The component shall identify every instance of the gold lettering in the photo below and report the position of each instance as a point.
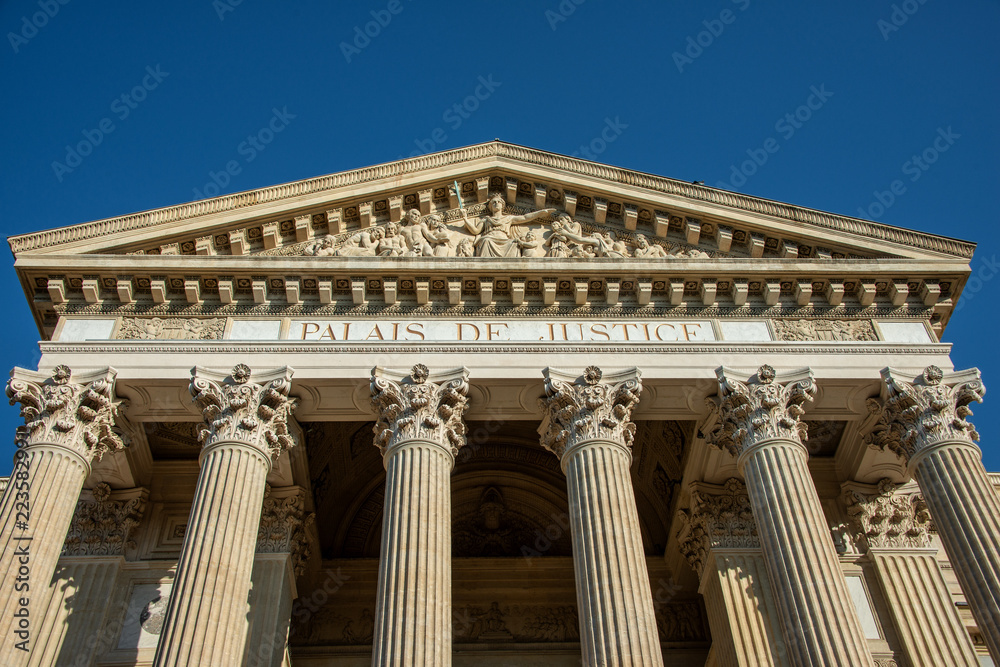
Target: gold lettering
(624, 327)
(328, 333)
(659, 336)
(603, 331)
(645, 327)
(306, 331)
(395, 330)
(467, 324)
(490, 333)
(378, 333)
(688, 334)
(552, 333)
(418, 331)
(347, 329)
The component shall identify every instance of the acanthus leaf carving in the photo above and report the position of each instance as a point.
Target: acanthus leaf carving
(415, 407)
(283, 523)
(590, 407)
(929, 409)
(720, 517)
(235, 409)
(78, 415)
(881, 517)
(759, 409)
(104, 526)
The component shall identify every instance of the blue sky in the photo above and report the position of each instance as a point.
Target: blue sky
(167, 94)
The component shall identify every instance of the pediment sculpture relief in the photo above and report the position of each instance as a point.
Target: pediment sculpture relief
(492, 230)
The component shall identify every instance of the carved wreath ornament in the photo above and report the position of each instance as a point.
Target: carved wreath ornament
(758, 410)
(594, 410)
(924, 412)
(243, 411)
(58, 411)
(417, 409)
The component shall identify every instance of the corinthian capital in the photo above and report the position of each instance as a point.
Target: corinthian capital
(283, 522)
(79, 415)
(920, 411)
(420, 406)
(720, 517)
(590, 407)
(238, 408)
(762, 408)
(881, 517)
(103, 524)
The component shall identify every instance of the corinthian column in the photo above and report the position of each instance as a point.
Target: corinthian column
(587, 424)
(67, 424)
(894, 529)
(719, 539)
(419, 430)
(245, 430)
(758, 422)
(923, 421)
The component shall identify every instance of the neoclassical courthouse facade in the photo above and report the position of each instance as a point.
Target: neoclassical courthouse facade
(495, 406)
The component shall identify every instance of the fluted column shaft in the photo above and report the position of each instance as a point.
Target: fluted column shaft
(966, 512)
(617, 622)
(741, 611)
(924, 615)
(54, 478)
(818, 617)
(270, 610)
(413, 612)
(206, 620)
(419, 430)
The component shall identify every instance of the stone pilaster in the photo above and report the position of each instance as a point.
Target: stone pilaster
(244, 432)
(587, 424)
(99, 536)
(894, 529)
(923, 420)
(759, 423)
(282, 551)
(68, 422)
(419, 430)
(719, 539)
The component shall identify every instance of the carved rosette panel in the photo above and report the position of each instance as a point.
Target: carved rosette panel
(158, 328)
(835, 330)
(78, 415)
(882, 518)
(283, 522)
(235, 409)
(416, 408)
(760, 409)
(720, 517)
(588, 408)
(927, 410)
(104, 526)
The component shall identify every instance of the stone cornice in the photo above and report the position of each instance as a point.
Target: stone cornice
(237, 407)
(765, 407)
(483, 157)
(590, 406)
(419, 406)
(882, 518)
(77, 413)
(916, 413)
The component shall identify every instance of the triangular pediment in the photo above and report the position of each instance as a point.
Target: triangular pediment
(681, 218)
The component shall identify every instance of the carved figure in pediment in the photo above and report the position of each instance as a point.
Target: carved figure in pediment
(688, 253)
(493, 230)
(610, 246)
(531, 245)
(392, 244)
(323, 247)
(571, 232)
(437, 241)
(644, 249)
(362, 244)
(466, 249)
(557, 247)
